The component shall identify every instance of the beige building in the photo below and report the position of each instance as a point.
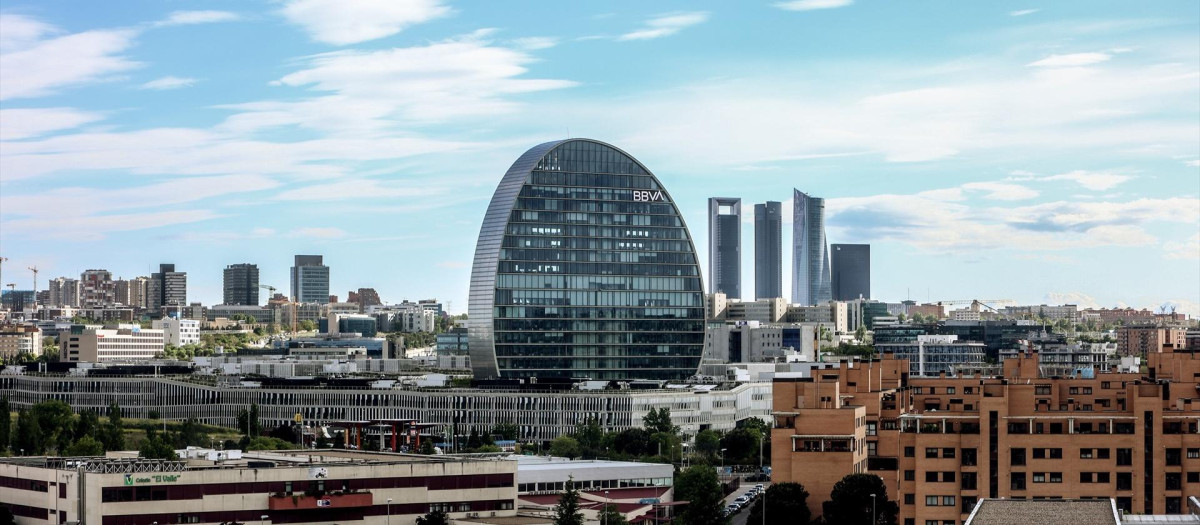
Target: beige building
(122, 343)
(327, 486)
(20, 339)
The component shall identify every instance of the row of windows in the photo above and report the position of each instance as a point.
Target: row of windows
(628, 338)
(599, 282)
(600, 232)
(523, 254)
(583, 312)
(675, 350)
(569, 192)
(603, 219)
(626, 206)
(577, 366)
(621, 298)
(591, 180)
(592, 243)
(687, 270)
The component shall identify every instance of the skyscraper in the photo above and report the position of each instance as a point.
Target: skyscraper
(810, 254)
(768, 250)
(310, 280)
(97, 289)
(584, 268)
(851, 265)
(241, 284)
(167, 288)
(65, 292)
(725, 246)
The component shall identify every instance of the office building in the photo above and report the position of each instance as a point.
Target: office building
(64, 292)
(452, 341)
(16, 300)
(851, 271)
(310, 280)
(363, 325)
(810, 254)
(167, 287)
(931, 355)
(241, 284)
(232, 486)
(120, 343)
(1143, 340)
(768, 250)
(178, 332)
(584, 268)
(725, 246)
(640, 492)
(19, 339)
(941, 443)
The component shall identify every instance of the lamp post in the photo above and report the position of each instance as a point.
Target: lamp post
(872, 509)
(604, 512)
(389, 514)
(761, 440)
(263, 519)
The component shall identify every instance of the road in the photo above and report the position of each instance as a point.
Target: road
(744, 514)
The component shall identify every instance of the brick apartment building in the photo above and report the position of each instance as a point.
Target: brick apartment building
(1142, 340)
(942, 443)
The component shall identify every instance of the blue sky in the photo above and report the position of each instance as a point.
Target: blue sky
(1039, 151)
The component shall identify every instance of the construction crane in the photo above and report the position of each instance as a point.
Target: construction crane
(291, 306)
(976, 303)
(2, 259)
(35, 272)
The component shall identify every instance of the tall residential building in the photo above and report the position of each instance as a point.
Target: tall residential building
(20, 339)
(851, 275)
(241, 284)
(584, 268)
(64, 291)
(98, 289)
(364, 297)
(810, 254)
(139, 292)
(940, 444)
(768, 250)
(725, 246)
(167, 288)
(310, 280)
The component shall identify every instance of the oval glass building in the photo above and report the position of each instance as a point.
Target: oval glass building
(584, 269)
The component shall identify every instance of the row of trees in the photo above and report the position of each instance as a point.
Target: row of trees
(50, 427)
(659, 440)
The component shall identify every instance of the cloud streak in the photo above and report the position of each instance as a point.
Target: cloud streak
(343, 23)
(811, 5)
(665, 25)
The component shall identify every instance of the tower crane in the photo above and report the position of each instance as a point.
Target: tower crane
(976, 303)
(35, 272)
(291, 306)
(2, 259)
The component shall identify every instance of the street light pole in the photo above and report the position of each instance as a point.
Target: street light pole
(389, 514)
(761, 440)
(872, 509)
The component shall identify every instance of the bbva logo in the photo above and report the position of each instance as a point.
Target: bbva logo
(647, 196)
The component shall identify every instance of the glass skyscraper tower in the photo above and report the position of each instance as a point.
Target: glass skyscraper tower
(810, 254)
(768, 250)
(584, 268)
(725, 246)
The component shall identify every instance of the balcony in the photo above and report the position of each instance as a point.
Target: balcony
(303, 501)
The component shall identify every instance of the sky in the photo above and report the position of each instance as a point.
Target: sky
(1045, 152)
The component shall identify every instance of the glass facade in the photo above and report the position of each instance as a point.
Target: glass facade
(851, 271)
(810, 254)
(584, 268)
(725, 246)
(768, 250)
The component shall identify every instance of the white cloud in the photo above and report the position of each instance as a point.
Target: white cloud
(1023, 12)
(168, 82)
(24, 123)
(534, 43)
(356, 189)
(809, 5)
(1080, 299)
(97, 227)
(1193, 163)
(1002, 191)
(341, 23)
(1189, 249)
(1096, 181)
(85, 203)
(1072, 60)
(666, 25)
(179, 18)
(36, 59)
(1181, 306)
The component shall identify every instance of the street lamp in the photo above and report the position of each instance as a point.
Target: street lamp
(722, 457)
(263, 519)
(389, 516)
(761, 440)
(872, 509)
(604, 513)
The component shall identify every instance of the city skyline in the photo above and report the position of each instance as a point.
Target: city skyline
(982, 160)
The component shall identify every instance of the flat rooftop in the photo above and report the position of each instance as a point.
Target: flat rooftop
(547, 463)
(1044, 511)
(128, 461)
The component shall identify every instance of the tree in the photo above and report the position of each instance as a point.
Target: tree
(611, 516)
(154, 447)
(506, 430)
(243, 422)
(850, 502)
(5, 425)
(860, 333)
(567, 511)
(307, 326)
(253, 423)
(564, 446)
(269, 443)
(436, 517)
(427, 447)
(28, 439)
(57, 423)
(590, 437)
(659, 421)
(473, 441)
(88, 425)
(633, 441)
(708, 442)
(698, 486)
(113, 433)
(191, 434)
(787, 504)
(153, 414)
(85, 446)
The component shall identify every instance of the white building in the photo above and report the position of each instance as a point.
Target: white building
(123, 343)
(404, 317)
(178, 332)
(20, 339)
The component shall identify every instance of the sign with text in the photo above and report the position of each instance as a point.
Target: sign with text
(648, 196)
